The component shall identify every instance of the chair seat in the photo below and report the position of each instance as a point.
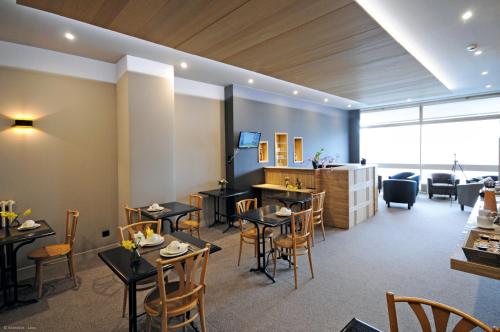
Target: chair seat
(285, 241)
(50, 251)
(251, 233)
(443, 185)
(152, 302)
(189, 224)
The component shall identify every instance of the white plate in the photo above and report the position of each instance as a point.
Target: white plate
(161, 208)
(284, 214)
(149, 243)
(167, 254)
(492, 227)
(21, 228)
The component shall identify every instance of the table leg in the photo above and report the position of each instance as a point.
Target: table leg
(215, 212)
(132, 308)
(3, 276)
(258, 251)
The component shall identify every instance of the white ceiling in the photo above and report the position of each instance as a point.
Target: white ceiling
(431, 30)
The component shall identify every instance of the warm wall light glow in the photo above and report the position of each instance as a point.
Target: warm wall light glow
(467, 15)
(184, 65)
(69, 36)
(18, 123)
(396, 28)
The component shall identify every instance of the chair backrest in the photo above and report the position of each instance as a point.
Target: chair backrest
(402, 175)
(317, 202)
(126, 232)
(195, 200)
(440, 312)
(441, 178)
(243, 206)
(71, 223)
(133, 215)
(301, 225)
(191, 270)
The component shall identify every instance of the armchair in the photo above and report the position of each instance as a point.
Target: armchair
(468, 194)
(408, 176)
(401, 188)
(442, 184)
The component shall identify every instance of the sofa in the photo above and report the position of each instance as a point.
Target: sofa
(468, 194)
(481, 178)
(442, 184)
(401, 188)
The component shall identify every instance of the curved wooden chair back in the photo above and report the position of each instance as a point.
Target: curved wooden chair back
(243, 206)
(127, 232)
(133, 215)
(71, 223)
(301, 225)
(317, 202)
(440, 312)
(195, 200)
(191, 270)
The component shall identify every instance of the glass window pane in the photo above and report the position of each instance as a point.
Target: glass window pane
(371, 118)
(474, 142)
(477, 107)
(389, 145)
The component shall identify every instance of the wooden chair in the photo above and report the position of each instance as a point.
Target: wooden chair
(193, 220)
(126, 233)
(248, 233)
(297, 243)
(133, 215)
(51, 252)
(179, 298)
(317, 202)
(440, 312)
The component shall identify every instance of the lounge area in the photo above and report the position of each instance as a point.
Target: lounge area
(249, 166)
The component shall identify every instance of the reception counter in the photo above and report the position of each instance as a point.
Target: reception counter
(351, 190)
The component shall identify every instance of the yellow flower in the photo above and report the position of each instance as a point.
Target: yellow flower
(27, 212)
(149, 233)
(10, 215)
(127, 244)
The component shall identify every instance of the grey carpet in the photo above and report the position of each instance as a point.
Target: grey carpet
(404, 251)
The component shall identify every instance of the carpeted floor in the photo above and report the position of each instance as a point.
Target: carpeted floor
(404, 251)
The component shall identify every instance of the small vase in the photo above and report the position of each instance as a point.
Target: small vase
(135, 257)
(315, 164)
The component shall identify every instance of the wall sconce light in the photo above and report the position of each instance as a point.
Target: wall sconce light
(23, 124)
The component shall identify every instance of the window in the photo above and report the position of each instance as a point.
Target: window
(463, 109)
(375, 118)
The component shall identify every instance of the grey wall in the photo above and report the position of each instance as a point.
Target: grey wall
(319, 130)
(354, 136)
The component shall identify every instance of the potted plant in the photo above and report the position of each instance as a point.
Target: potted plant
(317, 158)
(13, 218)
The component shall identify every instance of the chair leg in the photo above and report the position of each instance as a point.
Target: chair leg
(274, 261)
(199, 236)
(461, 207)
(201, 311)
(125, 296)
(39, 278)
(239, 255)
(295, 267)
(323, 230)
(148, 323)
(71, 266)
(312, 233)
(309, 254)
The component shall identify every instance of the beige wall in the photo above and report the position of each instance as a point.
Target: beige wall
(68, 161)
(199, 138)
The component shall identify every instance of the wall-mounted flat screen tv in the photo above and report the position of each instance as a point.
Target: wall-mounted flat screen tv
(248, 140)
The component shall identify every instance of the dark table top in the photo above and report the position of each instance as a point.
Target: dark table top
(171, 209)
(16, 236)
(118, 259)
(265, 215)
(356, 325)
(228, 192)
(292, 197)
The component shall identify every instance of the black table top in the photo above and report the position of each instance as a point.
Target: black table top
(356, 325)
(292, 197)
(265, 215)
(172, 209)
(228, 192)
(16, 236)
(118, 259)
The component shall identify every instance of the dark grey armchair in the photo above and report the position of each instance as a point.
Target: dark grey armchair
(442, 184)
(468, 194)
(401, 188)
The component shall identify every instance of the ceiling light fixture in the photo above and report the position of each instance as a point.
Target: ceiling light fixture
(349, 105)
(488, 86)
(184, 65)
(325, 100)
(478, 52)
(408, 99)
(295, 92)
(69, 36)
(467, 15)
(394, 25)
(484, 73)
(250, 80)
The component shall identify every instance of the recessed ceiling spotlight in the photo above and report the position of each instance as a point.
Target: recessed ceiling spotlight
(484, 73)
(250, 80)
(69, 36)
(295, 92)
(478, 52)
(488, 86)
(408, 99)
(325, 100)
(184, 65)
(472, 47)
(349, 105)
(466, 15)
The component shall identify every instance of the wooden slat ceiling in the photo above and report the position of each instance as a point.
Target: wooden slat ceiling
(328, 45)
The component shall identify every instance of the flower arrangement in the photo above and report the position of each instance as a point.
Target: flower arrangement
(223, 183)
(13, 217)
(134, 243)
(315, 160)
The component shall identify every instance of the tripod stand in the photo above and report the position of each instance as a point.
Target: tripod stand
(456, 165)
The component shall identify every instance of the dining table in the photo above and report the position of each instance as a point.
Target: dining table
(291, 198)
(266, 217)
(11, 240)
(169, 211)
(119, 261)
(223, 194)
